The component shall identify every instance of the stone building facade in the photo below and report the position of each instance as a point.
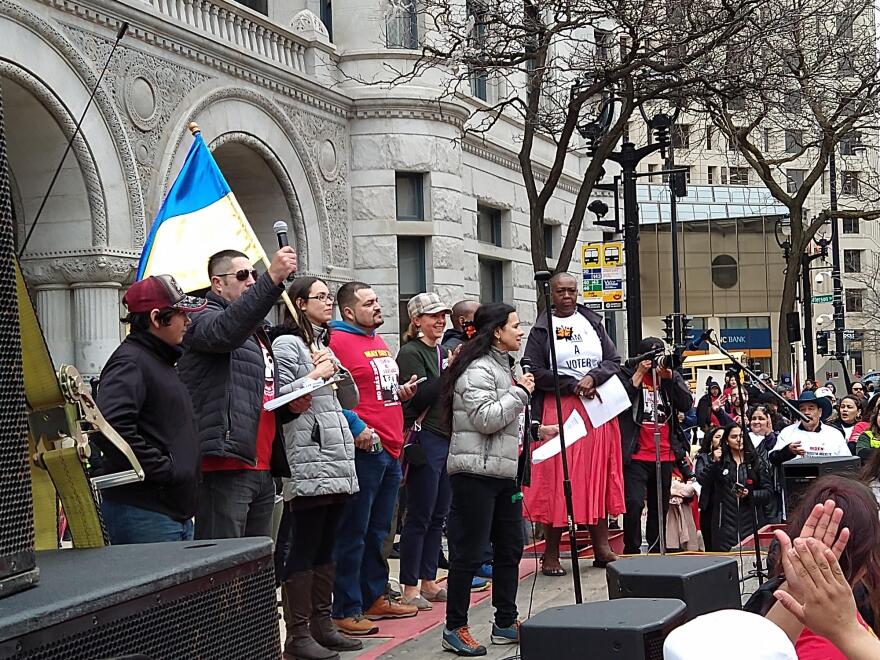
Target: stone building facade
(377, 184)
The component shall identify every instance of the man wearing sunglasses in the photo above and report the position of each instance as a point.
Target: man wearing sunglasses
(230, 372)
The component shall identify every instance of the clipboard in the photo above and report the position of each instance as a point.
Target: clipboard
(306, 388)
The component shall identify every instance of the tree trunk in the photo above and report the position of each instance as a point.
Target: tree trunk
(789, 294)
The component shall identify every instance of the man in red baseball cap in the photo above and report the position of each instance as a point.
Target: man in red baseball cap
(142, 397)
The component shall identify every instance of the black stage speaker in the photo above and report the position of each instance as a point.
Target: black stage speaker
(161, 601)
(625, 629)
(17, 564)
(705, 584)
(799, 473)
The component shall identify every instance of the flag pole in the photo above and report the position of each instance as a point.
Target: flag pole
(195, 130)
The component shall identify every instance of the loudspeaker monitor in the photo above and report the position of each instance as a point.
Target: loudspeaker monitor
(705, 584)
(625, 629)
(799, 473)
(201, 599)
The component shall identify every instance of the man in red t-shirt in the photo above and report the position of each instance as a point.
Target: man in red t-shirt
(361, 571)
(650, 404)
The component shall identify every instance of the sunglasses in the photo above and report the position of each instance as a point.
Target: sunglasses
(241, 275)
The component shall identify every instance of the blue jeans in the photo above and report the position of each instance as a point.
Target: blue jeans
(361, 572)
(427, 502)
(131, 524)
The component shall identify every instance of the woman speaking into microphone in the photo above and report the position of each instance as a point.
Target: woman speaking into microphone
(587, 358)
(485, 406)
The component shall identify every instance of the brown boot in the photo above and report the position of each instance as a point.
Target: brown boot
(602, 552)
(323, 630)
(297, 602)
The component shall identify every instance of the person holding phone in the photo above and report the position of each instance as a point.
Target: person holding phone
(427, 491)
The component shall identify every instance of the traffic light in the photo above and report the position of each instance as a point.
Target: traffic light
(668, 329)
(822, 342)
(679, 184)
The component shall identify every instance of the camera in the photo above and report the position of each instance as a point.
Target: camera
(672, 360)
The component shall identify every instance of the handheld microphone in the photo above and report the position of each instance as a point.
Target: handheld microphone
(280, 229)
(526, 365)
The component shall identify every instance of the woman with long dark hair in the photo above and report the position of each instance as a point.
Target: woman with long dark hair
(739, 482)
(764, 439)
(709, 452)
(859, 560)
(485, 405)
(849, 420)
(320, 451)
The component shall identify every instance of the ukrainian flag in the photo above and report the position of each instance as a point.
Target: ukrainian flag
(199, 217)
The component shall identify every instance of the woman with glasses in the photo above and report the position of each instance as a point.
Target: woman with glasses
(320, 450)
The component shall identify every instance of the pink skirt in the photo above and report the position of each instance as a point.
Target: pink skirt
(595, 466)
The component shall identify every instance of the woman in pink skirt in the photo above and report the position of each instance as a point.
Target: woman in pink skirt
(587, 358)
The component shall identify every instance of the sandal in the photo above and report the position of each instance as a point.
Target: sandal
(552, 572)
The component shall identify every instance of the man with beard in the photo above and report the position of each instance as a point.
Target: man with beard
(377, 426)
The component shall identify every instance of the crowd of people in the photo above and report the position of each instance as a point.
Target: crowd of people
(439, 437)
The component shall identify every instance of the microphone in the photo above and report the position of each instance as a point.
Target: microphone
(707, 334)
(280, 229)
(119, 34)
(634, 361)
(526, 365)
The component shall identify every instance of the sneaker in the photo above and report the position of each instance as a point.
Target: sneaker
(479, 584)
(356, 625)
(421, 603)
(509, 635)
(385, 608)
(485, 571)
(460, 642)
(392, 592)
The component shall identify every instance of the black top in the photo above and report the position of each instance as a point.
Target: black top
(143, 399)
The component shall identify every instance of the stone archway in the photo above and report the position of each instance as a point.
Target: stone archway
(263, 188)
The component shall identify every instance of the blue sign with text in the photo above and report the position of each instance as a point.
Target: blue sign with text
(745, 338)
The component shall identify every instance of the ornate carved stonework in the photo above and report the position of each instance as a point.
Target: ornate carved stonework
(86, 72)
(326, 143)
(147, 89)
(76, 266)
(307, 21)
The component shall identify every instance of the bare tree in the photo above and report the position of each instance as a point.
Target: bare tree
(786, 101)
(548, 66)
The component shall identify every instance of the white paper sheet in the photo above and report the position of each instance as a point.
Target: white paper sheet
(575, 430)
(307, 387)
(611, 399)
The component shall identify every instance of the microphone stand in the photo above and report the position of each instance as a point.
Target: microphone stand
(123, 28)
(658, 468)
(543, 280)
(741, 368)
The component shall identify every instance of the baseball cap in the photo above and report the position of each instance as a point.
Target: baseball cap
(160, 292)
(756, 638)
(426, 303)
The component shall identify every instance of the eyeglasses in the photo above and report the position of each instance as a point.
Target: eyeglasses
(322, 297)
(241, 275)
(858, 389)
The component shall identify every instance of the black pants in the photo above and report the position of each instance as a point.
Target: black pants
(639, 484)
(310, 532)
(483, 509)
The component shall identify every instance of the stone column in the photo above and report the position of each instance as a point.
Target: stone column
(53, 307)
(96, 327)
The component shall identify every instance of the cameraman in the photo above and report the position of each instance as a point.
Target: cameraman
(639, 450)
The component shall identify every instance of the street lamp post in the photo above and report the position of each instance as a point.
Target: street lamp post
(628, 157)
(839, 316)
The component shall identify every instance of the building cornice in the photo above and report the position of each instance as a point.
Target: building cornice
(80, 266)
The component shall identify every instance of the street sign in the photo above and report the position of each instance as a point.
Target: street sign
(603, 273)
(822, 299)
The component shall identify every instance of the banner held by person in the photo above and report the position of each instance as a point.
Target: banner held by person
(199, 217)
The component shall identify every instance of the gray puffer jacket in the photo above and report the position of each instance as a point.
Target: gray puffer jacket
(486, 409)
(320, 449)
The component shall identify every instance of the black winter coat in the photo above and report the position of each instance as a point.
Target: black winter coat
(224, 369)
(143, 399)
(733, 519)
(538, 355)
(675, 391)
